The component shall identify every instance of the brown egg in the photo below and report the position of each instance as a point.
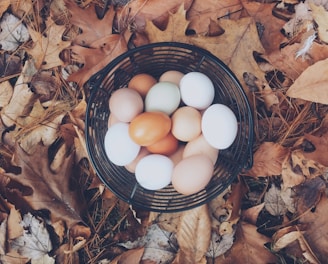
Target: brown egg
(166, 146)
(186, 123)
(142, 83)
(176, 157)
(125, 104)
(192, 174)
(171, 76)
(149, 127)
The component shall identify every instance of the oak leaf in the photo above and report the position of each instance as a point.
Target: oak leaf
(194, 234)
(48, 45)
(44, 189)
(311, 85)
(268, 160)
(248, 247)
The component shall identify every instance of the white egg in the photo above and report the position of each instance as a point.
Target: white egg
(197, 90)
(164, 97)
(120, 148)
(154, 171)
(219, 126)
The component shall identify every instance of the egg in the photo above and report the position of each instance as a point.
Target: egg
(192, 174)
(200, 146)
(112, 120)
(197, 90)
(171, 76)
(219, 126)
(125, 104)
(186, 123)
(166, 146)
(131, 167)
(149, 127)
(119, 147)
(142, 82)
(176, 157)
(163, 97)
(154, 171)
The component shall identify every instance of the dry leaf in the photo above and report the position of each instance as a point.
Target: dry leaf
(12, 32)
(290, 176)
(14, 230)
(248, 247)
(48, 45)
(4, 6)
(320, 16)
(250, 215)
(132, 256)
(320, 144)
(268, 159)
(284, 237)
(6, 92)
(54, 190)
(316, 233)
(273, 202)
(194, 234)
(311, 85)
(35, 240)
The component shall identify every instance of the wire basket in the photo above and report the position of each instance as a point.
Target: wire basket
(155, 59)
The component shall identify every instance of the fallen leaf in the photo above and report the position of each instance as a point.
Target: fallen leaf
(4, 6)
(262, 14)
(48, 45)
(291, 176)
(316, 233)
(14, 230)
(268, 159)
(10, 65)
(219, 245)
(132, 256)
(320, 144)
(311, 84)
(320, 16)
(192, 245)
(284, 237)
(3, 237)
(13, 32)
(251, 214)
(248, 247)
(202, 12)
(45, 259)
(273, 202)
(54, 190)
(6, 92)
(35, 241)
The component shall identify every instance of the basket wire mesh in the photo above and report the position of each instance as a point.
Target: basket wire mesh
(155, 59)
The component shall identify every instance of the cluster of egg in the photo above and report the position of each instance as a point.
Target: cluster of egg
(169, 131)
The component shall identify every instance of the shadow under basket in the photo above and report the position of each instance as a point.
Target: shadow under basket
(155, 59)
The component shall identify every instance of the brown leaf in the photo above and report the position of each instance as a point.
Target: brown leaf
(311, 85)
(202, 12)
(320, 144)
(194, 234)
(132, 256)
(4, 6)
(250, 215)
(268, 160)
(316, 233)
(262, 13)
(48, 46)
(14, 229)
(47, 190)
(248, 247)
(320, 16)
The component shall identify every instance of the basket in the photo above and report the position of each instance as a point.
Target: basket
(155, 59)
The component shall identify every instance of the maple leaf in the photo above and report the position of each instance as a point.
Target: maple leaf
(48, 45)
(235, 47)
(47, 189)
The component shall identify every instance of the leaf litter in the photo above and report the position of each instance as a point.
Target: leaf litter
(273, 213)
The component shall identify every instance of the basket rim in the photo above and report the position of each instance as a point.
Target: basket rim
(98, 77)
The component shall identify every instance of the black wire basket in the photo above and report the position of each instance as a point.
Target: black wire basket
(155, 59)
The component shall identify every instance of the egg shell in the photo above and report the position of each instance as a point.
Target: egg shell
(163, 97)
(131, 167)
(192, 174)
(186, 123)
(200, 146)
(219, 126)
(171, 76)
(149, 127)
(197, 90)
(112, 120)
(125, 104)
(154, 171)
(165, 146)
(142, 82)
(119, 147)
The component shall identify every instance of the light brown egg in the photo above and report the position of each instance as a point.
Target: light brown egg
(142, 83)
